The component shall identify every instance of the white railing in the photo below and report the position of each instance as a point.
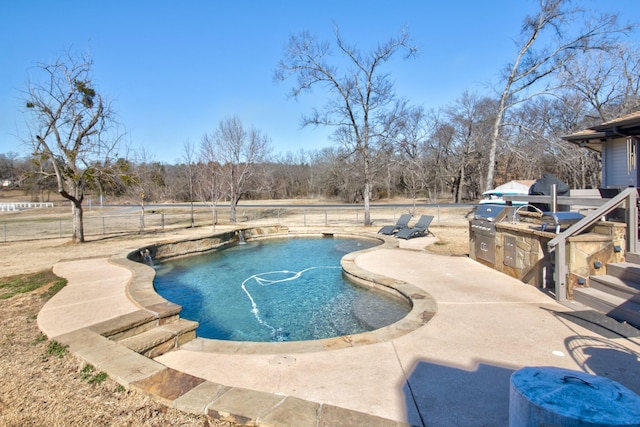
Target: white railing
(14, 206)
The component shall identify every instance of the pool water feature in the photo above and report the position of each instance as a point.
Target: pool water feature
(290, 289)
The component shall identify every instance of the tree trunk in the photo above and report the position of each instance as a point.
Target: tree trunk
(233, 202)
(493, 148)
(78, 224)
(460, 185)
(367, 191)
(214, 215)
(367, 200)
(76, 210)
(388, 181)
(232, 211)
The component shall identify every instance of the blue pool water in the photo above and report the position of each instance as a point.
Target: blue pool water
(276, 290)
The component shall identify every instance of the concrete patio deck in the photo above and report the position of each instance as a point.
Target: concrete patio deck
(453, 371)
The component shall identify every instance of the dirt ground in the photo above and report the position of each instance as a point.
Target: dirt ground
(38, 388)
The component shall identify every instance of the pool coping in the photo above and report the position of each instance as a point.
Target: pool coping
(246, 403)
(141, 292)
(196, 395)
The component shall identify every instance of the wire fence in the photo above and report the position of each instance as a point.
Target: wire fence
(58, 223)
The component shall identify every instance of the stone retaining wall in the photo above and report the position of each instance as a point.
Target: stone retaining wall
(163, 251)
(521, 252)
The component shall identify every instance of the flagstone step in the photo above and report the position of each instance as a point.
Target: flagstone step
(161, 339)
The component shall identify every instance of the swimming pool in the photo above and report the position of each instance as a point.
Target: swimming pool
(289, 289)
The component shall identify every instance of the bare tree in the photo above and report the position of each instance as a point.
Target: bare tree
(208, 182)
(440, 158)
(8, 169)
(412, 151)
(69, 124)
(239, 152)
(290, 175)
(529, 74)
(467, 117)
(145, 180)
(189, 159)
(362, 97)
(607, 82)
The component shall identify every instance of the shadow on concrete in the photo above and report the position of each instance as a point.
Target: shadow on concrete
(440, 395)
(606, 358)
(604, 355)
(599, 323)
(436, 394)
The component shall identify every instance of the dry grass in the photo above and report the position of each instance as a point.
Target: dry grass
(452, 240)
(38, 388)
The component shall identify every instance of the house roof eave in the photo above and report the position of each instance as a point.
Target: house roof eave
(588, 139)
(593, 137)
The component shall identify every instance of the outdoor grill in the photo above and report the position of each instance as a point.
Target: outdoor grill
(483, 229)
(559, 220)
(492, 213)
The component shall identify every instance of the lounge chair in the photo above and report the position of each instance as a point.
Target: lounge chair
(402, 222)
(419, 229)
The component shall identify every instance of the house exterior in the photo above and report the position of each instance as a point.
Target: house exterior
(618, 141)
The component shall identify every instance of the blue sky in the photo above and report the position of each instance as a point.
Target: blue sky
(175, 69)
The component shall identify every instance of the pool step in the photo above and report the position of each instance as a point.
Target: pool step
(161, 339)
(134, 323)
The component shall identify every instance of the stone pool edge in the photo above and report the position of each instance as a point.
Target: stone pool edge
(198, 396)
(141, 292)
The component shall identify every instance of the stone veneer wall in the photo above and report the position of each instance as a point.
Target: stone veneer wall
(163, 251)
(532, 263)
(587, 253)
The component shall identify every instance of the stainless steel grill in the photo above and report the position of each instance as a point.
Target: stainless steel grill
(492, 213)
(559, 220)
(483, 229)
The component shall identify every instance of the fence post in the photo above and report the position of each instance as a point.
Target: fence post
(141, 222)
(326, 220)
(304, 216)
(162, 220)
(4, 230)
(103, 230)
(59, 228)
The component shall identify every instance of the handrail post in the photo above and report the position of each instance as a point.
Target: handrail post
(561, 271)
(632, 221)
(558, 243)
